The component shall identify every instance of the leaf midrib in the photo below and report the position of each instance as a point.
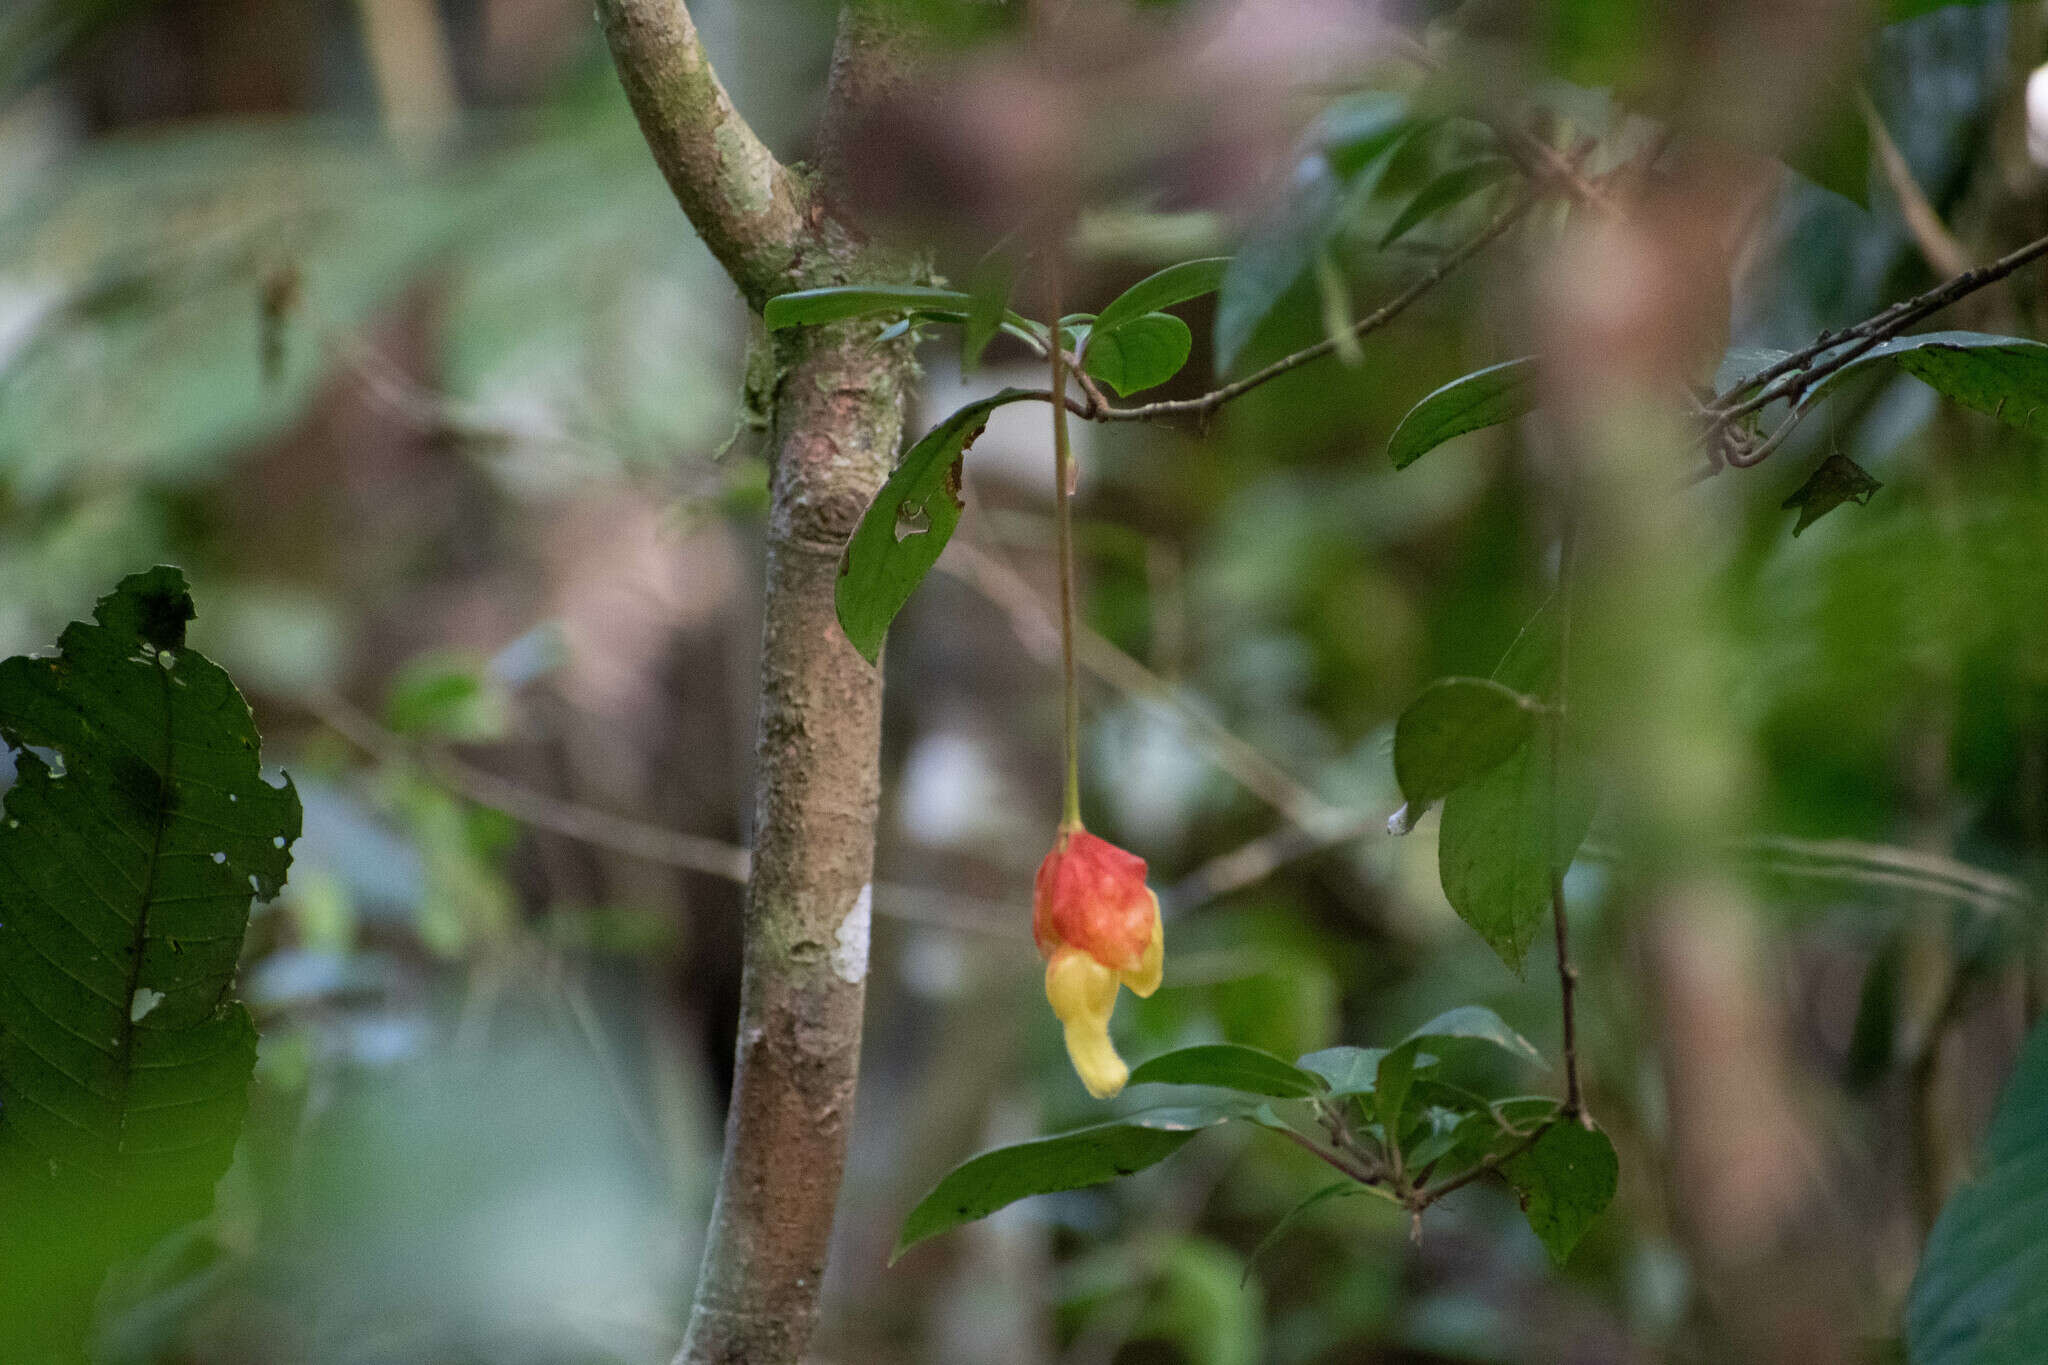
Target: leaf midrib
(166, 776)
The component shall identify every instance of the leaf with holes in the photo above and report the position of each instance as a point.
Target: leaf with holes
(906, 527)
(136, 834)
(1484, 398)
(1067, 1161)
(1144, 352)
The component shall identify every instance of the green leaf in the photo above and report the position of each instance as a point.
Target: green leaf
(1139, 354)
(810, 307)
(903, 532)
(1342, 153)
(1478, 1023)
(1349, 1070)
(1834, 150)
(1335, 1190)
(1068, 1161)
(1565, 1182)
(1458, 730)
(2000, 376)
(137, 831)
(1162, 290)
(1495, 845)
(1447, 191)
(1895, 10)
(1981, 1294)
(1231, 1066)
(989, 292)
(1390, 1089)
(1484, 398)
(1839, 479)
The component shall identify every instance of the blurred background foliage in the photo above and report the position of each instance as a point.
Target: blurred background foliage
(376, 317)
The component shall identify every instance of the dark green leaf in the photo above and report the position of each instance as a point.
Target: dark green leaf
(1069, 1161)
(2000, 376)
(1334, 1190)
(1230, 1066)
(1390, 1089)
(1981, 1294)
(136, 833)
(1162, 290)
(1352, 138)
(1457, 730)
(989, 291)
(1839, 479)
(1502, 835)
(810, 307)
(903, 532)
(1834, 152)
(1895, 10)
(1145, 351)
(1484, 398)
(1565, 1181)
(1447, 191)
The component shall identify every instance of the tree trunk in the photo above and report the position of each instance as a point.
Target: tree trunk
(838, 414)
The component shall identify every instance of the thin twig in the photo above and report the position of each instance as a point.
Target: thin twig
(1422, 1199)
(1806, 367)
(1567, 974)
(1204, 406)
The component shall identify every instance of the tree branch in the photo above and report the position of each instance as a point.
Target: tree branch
(746, 205)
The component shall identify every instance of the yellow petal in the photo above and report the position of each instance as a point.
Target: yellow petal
(1146, 976)
(1083, 994)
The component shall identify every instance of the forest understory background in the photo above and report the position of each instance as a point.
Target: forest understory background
(377, 317)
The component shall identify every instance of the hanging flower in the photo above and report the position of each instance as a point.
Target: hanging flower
(1097, 926)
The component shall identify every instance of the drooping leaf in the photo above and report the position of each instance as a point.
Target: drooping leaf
(1231, 1066)
(1565, 1181)
(1339, 160)
(903, 532)
(836, 303)
(1067, 1161)
(1484, 398)
(1162, 290)
(989, 291)
(1505, 833)
(136, 833)
(1447, 191)
(1981, 1294)
(1457, 730)
(1837, 480)
(1143, 352)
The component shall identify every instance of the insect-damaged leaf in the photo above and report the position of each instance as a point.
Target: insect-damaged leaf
(1067, 1161)
(1839, 479)
(136, 834)
(906, 527)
